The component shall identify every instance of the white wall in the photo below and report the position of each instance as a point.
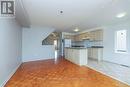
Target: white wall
(32, 44)
(10, 48)
(109, 52)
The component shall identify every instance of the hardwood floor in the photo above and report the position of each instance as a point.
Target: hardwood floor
(59, 74)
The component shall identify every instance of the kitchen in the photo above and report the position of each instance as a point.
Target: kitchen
(94, 49)
(84, 46)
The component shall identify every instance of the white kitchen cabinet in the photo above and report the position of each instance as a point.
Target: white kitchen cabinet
(99, 35)
(89, 52)
(95, 53)
(77, 56)
(96, 35)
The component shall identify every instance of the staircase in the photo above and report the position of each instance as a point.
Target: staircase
(50, 39)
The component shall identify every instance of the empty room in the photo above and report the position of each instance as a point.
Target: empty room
(64, 43)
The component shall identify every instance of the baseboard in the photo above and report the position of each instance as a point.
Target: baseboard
(116, 62)
(9, 76)
(31, 60)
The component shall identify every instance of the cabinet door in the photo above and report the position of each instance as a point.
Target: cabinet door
(87, 35)
(79, 37)
(72, 55)
(100, 54)
(69, 54)
(66, 53)
(76, 56)
(68, 36)
(99, 35)
(89, 52)
(83, 36)
(92, 35)
(76, 38)
(95, 53)
(83, 57)
(96, 35)
(72, 37)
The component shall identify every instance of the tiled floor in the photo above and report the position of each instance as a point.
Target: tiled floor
(115, 71)
(61, 73)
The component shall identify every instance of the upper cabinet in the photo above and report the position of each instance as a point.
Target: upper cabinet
(77, 38)
(67, 36)
(96, 35)
(72, 37)
(81, 37)
(100, 34)
(85, 35)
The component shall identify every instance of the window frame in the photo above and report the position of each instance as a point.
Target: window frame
(116, 49)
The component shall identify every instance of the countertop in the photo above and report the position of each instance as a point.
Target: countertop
(96, 47)
(76, 47)
(85, 47)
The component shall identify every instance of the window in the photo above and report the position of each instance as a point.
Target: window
(120, 41)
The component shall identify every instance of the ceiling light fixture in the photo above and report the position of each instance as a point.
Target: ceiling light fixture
(121, 15)
(76, 29)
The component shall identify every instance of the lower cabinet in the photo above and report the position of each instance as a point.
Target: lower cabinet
(77, 56)
(95, 53)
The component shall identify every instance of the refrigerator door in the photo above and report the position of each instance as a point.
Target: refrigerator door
(67, 43)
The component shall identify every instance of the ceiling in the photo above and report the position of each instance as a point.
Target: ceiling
(84, 14)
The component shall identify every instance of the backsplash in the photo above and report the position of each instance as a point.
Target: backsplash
(87, 43)
(78, 43)
(96, 43)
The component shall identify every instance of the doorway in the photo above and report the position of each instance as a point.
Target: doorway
(56, 49)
